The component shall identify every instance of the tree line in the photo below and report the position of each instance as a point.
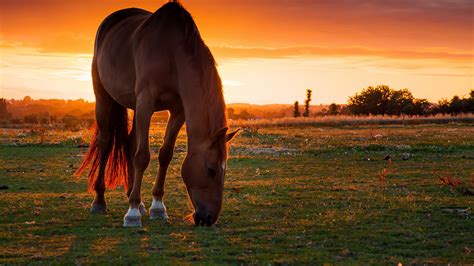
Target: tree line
(383, 100)
(379, 100)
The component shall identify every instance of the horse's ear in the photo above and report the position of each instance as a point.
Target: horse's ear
(231, 135)
(219, 135)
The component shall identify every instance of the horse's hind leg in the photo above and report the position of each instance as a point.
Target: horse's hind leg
(158, 209)
(104, 105)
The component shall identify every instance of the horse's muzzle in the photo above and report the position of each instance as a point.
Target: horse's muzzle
(202, 219)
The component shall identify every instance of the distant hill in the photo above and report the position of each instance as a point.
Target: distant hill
(50, 107)
(81, 108)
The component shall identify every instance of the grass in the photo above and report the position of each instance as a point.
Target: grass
(293, 195)
(350, 120)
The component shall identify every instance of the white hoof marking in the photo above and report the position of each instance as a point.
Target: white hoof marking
(158, 210)
(142, 209)
(133, 218)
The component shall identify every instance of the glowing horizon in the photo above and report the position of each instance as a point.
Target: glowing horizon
(268, 52)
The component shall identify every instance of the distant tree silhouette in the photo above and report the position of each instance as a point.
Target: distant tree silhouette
(382, 100)
(27, 99)
(421, 107)
(344, 110)
(296, 110)
(470, 102)
(44, 120)
(244, 114)
(306, 103)
(400, 102)
(4, 114)
(462, 105)
(31, 119)
(443, 106)
(333, 109)
(370, 101)
(231, 113)
(456, 105)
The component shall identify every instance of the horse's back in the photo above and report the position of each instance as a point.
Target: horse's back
(114, 18)
(113, 53)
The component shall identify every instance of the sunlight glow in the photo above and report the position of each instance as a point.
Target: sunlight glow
(26, 71)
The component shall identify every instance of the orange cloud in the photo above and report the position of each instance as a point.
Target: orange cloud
(246, 52)
(392, 25)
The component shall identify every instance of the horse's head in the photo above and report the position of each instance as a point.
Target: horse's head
(203, 173)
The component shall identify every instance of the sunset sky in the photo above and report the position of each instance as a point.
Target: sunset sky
(268, 51)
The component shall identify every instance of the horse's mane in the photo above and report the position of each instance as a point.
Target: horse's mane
(206, 66)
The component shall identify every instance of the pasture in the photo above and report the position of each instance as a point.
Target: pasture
(296, 194)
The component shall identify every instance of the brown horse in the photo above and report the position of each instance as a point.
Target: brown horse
(152, 62)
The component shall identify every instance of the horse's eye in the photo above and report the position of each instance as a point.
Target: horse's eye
(211, 172)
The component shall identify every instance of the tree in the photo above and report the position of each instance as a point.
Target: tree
(245, 115)
(31, 119)
(296, 110)
(457, 105)
(343, 110)
(443, 106)
(371, 101)
(306, 103)
(27, 99)
(470, 102)
(4, 114)
(421, 107)
(333, 109)
(382, 100)
(323, 112)
(400, 101)
(230, 113)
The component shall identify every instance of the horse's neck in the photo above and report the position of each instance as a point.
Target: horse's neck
(200, 121)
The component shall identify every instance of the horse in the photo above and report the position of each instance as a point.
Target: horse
(150, 62)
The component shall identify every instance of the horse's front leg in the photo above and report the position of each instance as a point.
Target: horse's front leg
(175, 122)
(132, 148)
(141, 159)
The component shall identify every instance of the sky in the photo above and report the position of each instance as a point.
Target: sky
(268, 51)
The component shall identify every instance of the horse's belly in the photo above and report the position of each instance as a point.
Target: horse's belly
(127, 100)
(120, 90)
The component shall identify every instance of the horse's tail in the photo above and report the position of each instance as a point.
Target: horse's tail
(116, 166)
(115, 172)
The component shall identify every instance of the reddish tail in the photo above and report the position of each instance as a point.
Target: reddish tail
(116, 167)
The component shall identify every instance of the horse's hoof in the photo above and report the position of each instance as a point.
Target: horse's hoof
(142, 209)
(98, 208)
(158, 210)
(133, 218)
(158, 214)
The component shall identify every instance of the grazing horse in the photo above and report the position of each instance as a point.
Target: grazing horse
(151, 62)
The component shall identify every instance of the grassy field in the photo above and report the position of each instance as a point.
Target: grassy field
(293, 195)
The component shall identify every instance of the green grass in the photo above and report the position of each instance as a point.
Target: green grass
(293, 195)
